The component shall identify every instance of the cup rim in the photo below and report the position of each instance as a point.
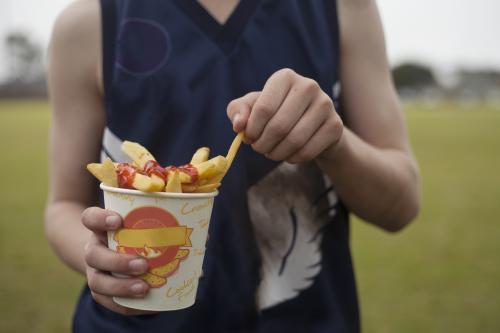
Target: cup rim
(158, 194)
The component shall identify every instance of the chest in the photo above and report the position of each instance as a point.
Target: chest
(174, 67)
(220, 10)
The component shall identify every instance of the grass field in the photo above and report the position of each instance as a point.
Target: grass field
(442, 274)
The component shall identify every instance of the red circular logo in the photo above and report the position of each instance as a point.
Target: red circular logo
(149, 218)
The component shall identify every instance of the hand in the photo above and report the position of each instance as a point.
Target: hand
(291, 119)
(100, 261)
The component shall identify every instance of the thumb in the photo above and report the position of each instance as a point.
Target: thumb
(238, 110)
(240, 119)
(100, 220)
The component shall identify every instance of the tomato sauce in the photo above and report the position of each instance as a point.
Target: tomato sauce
(126, 174)
(154, 168)
(191, 171)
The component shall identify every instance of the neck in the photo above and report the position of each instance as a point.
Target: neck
(219, 9)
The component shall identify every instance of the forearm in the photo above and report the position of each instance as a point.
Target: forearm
(381, 186)
(66, 233)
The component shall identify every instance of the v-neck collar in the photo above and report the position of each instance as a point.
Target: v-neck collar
(224, 35)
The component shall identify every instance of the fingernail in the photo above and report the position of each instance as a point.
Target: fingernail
(112, 221)
(236, 118)
(138, 265)
(137, 288)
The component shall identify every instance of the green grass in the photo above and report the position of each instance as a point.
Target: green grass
(442, 274)
(37, 292)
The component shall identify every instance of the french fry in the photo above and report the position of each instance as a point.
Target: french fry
(203, 182)
(144, 173)
(220, 163)
(211, 168)
(207, 188)
(231, 154)
(137, 153)
(235, 146)
(145, 183)
(216, 179)
(205, 169)
(188, 188)
(174, 183)
(140, 156)
(105, 172)
(185, 178)
(158, 182)
(201, 155)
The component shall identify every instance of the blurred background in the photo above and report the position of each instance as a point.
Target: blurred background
(440, 274)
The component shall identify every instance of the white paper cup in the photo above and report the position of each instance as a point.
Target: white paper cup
(168, 229)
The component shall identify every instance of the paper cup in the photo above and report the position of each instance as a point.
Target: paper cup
(168, 229)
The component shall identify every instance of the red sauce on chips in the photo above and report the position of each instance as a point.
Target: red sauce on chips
(154, 168)
(126, 174)
(191, 171)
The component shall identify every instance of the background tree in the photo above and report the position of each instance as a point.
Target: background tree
(413, 76)
(24, 58)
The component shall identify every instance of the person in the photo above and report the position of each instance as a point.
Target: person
(309, 84)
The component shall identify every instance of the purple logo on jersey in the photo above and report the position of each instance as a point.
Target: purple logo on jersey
(144, 46)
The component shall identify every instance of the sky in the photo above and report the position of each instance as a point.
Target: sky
(446, 34)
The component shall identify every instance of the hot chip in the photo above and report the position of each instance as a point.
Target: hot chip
(145, 174)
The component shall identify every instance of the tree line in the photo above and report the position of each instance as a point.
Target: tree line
(26, 75)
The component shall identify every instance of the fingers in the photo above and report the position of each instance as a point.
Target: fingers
(238, 110)
(302, 132)
(279, 126)
(269, 101)
(99, 220)
(101, 258)
(291, 119)
(327, 135)
(105, 284)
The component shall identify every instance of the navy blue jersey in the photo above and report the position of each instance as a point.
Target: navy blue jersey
(278, 257)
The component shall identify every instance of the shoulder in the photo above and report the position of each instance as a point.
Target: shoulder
(354, 3)
(356, 15)
(76, 38)
(362, 37)
(360, 24)
(79, 19)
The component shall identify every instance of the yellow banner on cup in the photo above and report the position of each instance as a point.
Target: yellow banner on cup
(154, 237)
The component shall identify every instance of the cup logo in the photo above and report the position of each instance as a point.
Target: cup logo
(155, 234)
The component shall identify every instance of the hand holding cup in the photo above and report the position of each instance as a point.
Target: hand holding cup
(101, 261)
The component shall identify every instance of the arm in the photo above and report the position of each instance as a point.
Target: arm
(76, 129)
(372, 165)
(369, 161)
(77, 233)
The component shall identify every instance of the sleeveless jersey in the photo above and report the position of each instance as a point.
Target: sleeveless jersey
(278, 258)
